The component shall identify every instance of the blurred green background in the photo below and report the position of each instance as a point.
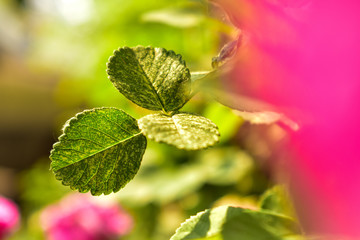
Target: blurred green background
(53, 56)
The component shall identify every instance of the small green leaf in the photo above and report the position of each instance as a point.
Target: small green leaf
(153, 78)
(183, 130)
(230, 223)
(100, 150)
(226, 53)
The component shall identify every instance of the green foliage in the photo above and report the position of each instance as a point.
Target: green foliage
(153, 78)
(100, 151)
(171, 184)
(230, 223)
(163, 183)
(183, 130)
(171, 180)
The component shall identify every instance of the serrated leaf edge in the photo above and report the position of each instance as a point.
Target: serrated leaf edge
(75, 118)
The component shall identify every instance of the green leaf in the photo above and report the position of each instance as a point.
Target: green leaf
(277, 200)
(225, 165)
(183, 130)
(230, 223)
(153, 78)
(100, 150)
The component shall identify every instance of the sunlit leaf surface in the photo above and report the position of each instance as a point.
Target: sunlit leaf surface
(183, 130)
(100, 150)
(153, 78)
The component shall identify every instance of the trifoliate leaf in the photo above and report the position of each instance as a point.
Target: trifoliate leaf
(100, 150)
(153, 78)
(183, 130)
(230, 223)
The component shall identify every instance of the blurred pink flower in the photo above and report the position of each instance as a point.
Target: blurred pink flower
(304, 55)
(79, 217)
(9, 217)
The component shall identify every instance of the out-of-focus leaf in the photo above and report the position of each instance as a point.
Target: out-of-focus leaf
(277, 200)
(39, 187)
(226, 165)
(264, 117)
(252, 110)
(100, 150)
(162, 184)
(235, 223)
(236, 200)
(153, 78)
(183, 130)
(175, 17)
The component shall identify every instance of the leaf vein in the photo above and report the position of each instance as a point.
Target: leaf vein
(84, 139)
(101, 150)
(151, 84)
(98, 130)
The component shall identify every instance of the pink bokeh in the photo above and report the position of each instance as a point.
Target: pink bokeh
(303, 57)
(77, 216)
(9, 217)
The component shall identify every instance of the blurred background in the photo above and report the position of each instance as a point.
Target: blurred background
(53, 58)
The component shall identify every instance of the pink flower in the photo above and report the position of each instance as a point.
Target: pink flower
(305, 55)
(78, 216)
(9, 217)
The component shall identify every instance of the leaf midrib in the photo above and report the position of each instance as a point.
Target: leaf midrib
(178, 129)
(151, 83)
(102, 150)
